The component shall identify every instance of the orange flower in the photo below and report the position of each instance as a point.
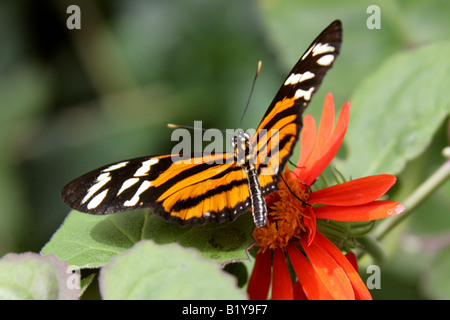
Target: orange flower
(322, 271)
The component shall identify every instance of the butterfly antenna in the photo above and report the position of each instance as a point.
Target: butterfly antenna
(258, 69)
(308, 187)
(301, 200)
(294, 164)
(176, 126)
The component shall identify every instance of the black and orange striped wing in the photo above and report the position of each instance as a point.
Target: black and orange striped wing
(191, 191)
(279, 129)
(199, 189)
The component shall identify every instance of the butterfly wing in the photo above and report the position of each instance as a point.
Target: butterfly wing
(190, 191)
(279, 129)
(201, 189)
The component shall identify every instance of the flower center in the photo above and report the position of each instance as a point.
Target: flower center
(288, 216)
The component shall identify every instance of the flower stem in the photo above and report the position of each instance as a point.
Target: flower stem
(373, 248)
(414, 200)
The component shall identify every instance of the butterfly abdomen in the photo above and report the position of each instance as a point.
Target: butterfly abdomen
(246, 159)
(259, 208)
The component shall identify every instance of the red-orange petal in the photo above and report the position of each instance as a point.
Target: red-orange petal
(307, 142)
(352, 259)
(332, 276)
(364, 212)
(326, 124)
(282, 283)
(299, 294)
(360, 290)
(259, 283)
(355, 192)
(310, 223)
(324, 153)
(308, 278)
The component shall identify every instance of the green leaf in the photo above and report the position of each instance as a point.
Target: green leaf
(396, 111)
(151, 271)
(89, 241)
(86, 282)
(32, 276)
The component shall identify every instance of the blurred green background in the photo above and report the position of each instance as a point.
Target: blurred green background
(73, 100)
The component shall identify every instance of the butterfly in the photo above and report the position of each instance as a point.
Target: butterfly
(197, 188)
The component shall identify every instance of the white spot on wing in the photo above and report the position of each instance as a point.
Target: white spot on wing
(304, 94)
(97, 199)
(321, 48)
(307, 53)
(133, 201)
(101, 180)
(128, 183)
(116, 166)
(326, 60)
(298, 77)
(145, 168)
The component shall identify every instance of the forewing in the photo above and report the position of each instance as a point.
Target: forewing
(278, 131)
